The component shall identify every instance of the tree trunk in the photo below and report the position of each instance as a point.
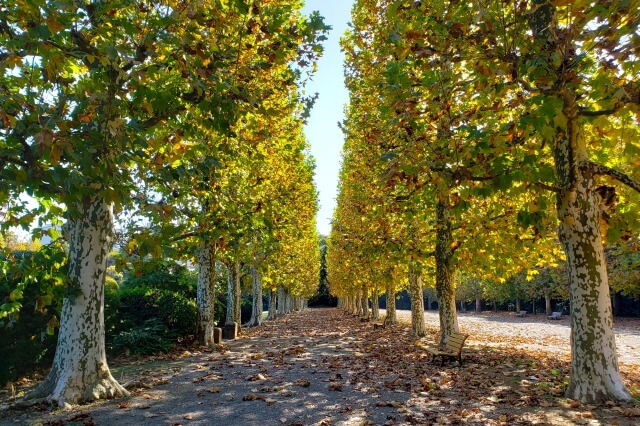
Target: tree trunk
(444, 277)
(233, 294)
(358, 305)
(479, 304)
(547, 304)
(80, 372)
(205, 302)
(517, 305)
(273, 297)
(281, 300)
(288, 304)
(391, 318)
(256, 306)
(615, 304)
(595, 375)
(375, 306)
(364, 303)
(418, 327)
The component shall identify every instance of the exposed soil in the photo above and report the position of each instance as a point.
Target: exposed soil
(325, 367)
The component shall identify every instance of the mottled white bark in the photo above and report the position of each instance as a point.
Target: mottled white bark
(256, 306)
(205, 302)
(595, 375)
(418, 327)
(80, 372)
(445, 289)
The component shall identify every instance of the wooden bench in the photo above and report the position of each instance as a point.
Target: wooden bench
(452, 349)
(521, 313)
(555, 315)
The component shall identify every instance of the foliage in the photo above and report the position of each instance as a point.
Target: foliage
(31, 290)
(162, 275)
(148, 338)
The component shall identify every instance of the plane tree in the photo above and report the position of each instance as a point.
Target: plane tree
(85, 88)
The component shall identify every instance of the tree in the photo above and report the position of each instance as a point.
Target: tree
(578, 79)
(85, 89)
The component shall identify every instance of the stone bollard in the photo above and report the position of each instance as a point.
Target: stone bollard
(230, 331)
(217, 335)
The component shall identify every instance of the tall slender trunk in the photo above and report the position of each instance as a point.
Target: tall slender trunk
(444, 277)
(517, 305)
(237, 311)
(418, 327)
(615, 304)
(80, 372)
(595, 375)
(205, 302)
(256, 307)
(288, 302)
(391, 318)
(547, 304)
(375, 306)
(233, 294)
(281, 300)
(364, 303)
(479, 304)
(358, 305)
(273, 297)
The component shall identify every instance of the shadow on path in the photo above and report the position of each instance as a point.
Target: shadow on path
(324, 367)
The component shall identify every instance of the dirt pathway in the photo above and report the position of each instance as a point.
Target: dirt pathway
(324, 367)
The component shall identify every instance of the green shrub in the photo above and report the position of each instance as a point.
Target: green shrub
(129, 312)
(163, 275)
(150, 337)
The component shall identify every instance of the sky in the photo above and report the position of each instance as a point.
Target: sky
(322, 130)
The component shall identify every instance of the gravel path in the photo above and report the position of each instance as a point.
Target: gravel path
(535, 332)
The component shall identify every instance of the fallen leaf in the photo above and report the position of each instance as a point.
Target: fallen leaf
(252, 397)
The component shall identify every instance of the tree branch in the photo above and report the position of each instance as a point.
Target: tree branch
(547, 187)
(600, 169)
(588, 113)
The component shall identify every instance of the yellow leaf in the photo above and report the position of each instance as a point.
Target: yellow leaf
(560, 120)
